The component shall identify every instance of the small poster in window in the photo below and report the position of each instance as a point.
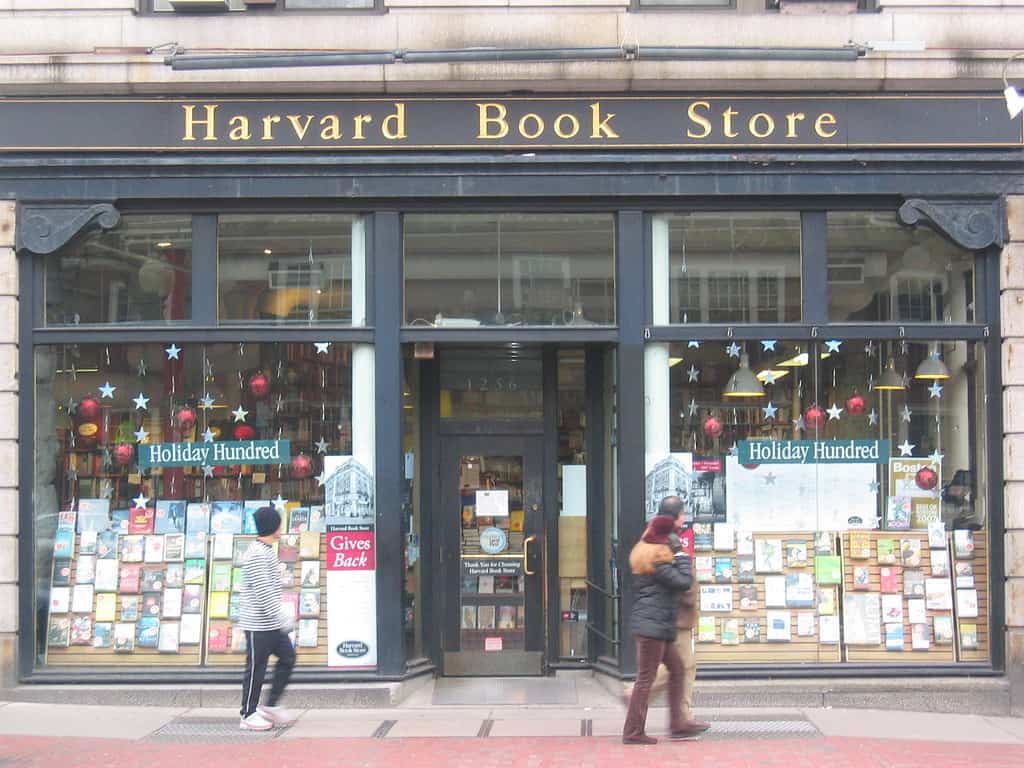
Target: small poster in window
(492, 503)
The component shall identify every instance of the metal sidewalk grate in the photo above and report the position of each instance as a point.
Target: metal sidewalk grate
(759, 729)
(188, 730)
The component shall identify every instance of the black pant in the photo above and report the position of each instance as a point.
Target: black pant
(259, 648)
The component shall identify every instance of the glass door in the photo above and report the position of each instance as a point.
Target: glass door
(493, 555)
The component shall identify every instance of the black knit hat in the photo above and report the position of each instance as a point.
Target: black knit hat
(268, 520)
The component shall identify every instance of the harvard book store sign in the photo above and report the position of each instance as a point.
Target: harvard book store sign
(812, 451)
(210, 454)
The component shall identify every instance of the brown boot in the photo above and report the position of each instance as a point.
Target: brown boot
(643, 739)
(688, 729)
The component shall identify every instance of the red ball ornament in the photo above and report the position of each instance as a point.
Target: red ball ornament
(186, 418)
(123, 453)
(751, 466)
(244, 432)
(301, 466)
(856, 405)
(926, 478)
(712, 427)
(259, 385)
(814, 418)
(88, 410)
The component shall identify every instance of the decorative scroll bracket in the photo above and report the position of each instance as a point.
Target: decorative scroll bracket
(971, 224)
(43, 228)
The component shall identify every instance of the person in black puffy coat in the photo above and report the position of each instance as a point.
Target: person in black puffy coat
(661, 571)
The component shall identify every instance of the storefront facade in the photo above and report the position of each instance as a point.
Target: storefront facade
(466, 369)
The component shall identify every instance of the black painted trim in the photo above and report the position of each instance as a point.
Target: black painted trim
(205, 270)
(994, 427)
(814, 266)
(27, 622)
(804, 332)
(430, 512)
(593, 364)
(197, 334)
(387, 256)
(502, 335)
(551, 587)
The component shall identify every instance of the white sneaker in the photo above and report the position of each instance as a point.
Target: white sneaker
(277, 715)
(255, 722)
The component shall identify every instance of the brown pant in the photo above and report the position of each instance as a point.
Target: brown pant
(684, 644)
(650, 654)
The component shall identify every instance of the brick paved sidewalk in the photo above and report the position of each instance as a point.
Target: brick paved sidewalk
(834, 752)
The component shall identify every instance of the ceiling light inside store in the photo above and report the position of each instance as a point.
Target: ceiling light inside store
(267, 252)
(890, 381)
(743, 383)
(674, 361)
(932, 368)
(800, 360)
(164, 244)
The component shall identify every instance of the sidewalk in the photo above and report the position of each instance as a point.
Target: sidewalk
(419, 735)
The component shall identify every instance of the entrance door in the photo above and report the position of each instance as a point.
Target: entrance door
(493, 558)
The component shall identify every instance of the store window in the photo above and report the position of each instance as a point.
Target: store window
(838, 493)
(291, 268)
(412, 582)
(881, 271)
(503, 383)
(138, 272)
(471, 270)
(140, 527)
(729, 267)
(573, 505)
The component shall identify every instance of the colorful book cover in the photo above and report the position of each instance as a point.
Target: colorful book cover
(128, 582)
(828, 569)
(937, 594)
(172, 604)
(152, 605)
(106, 607)
(913, 582)
(894, 636)
(87, 542)
(888, 550)
(860, 545)
(239, 547)
(119, 520)
(916, 611)
(796, 553)
(298, 521)
(290, 604)
(152, 578)
(169, 516)
(220, 577)
(826, 602)
(237, 574)
(197, 518)
(106, 545)
(287, 574)
(964, 573)
(60, 599)
(226, 517)
(103, 634)
(288, 548)
(85, 570)
(174, 576)
(919, 639)
(723, 569)
(898, 513)
(174, 547)
(318, 521)
(936, 535)
(190, 630)
(235, 606)
(249, 510)
(141, 520)
(751, 631)
(969, 637)
(704, 568)
(309, 545)
(310, 577)
(506, 617)
(745, 568)
(706, 629)
(748, 597)
(82, 598)
(768, 555)
(778, 626)
(823, 543)
(130, 606)
(133, 548)
(192, 599)
(892, 608)
(219, 604)
(966, 603)
(861, 577)
(223, 546)
(154, 549)
(730, 632)
(910, 553)
(195, 572)
(93, 515)
(309, 631)
(963, 544)
(58, 633)
(219, 637)
(942, 627)
(309, 603)
(939, 562)
(124, 637)
(64, 543)
(195, 545)
(61, 573)
(168, 642)
(468, 617)
(703, 537)
(889, 578)
(800, 590)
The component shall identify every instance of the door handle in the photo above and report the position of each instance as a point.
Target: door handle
(526, 555)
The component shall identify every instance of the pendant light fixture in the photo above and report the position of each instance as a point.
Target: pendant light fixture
(891, 381)
(932, 368)
(743, 382)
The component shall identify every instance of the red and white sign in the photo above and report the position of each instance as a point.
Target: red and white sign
(351, 551)
(493, 644)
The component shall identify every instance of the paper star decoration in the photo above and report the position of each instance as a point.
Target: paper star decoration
(321, 445)
(173, 351)
(207, 402)
(207, 471)
(693, 407)
(769, 479)
(140, 501)
(693, 373)
(834, 412)
(141, 435)
(799, 423)
(905, 413)
(734, 451)
(142, 368)
(141, 402)
(768, 345)
(769, 410)
(768, 377)
(873, 486)
(833, 345)
(321, 479)
(907, 448)
(873, 417)
(733, 350)
(72, 405)
(239, 413)
(321, 347)
(279, 503)
(107, 391)
(869, 349)
(208, 436)
(937, 457)
(935, 389)
(693, 344)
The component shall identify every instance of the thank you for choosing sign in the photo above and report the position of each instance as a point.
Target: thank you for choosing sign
(812, 451)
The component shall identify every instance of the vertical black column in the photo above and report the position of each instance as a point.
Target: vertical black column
(553, 651)
(597, 529)
(814, 266)
(386, 259)
(204, 269)
(32, 618)
(632, 297)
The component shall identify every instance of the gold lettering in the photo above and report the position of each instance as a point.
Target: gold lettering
(486, 121)
(600, 128)
(825, 118)
(357, 125)
(563, 134)
(240, 130)
(769, 125)
(727, 117)
(268, 126)
(537, 122)
(699, 119)
(398, 119)
(791, 119)
(300, 128)
(191, 122)
(331, 126)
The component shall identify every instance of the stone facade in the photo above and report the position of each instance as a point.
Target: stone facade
(8, 448)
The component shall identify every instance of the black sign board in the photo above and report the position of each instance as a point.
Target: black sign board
(214, 124)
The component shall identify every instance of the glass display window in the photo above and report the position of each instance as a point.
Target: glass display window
(472, 270)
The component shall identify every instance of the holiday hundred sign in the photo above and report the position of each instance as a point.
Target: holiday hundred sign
(642, 122)
(210, 454)
(812, 451)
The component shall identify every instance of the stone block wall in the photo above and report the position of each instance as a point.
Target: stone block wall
(8, 448)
